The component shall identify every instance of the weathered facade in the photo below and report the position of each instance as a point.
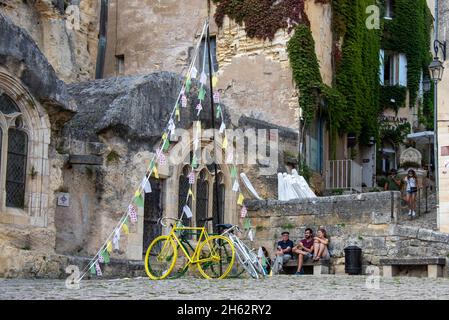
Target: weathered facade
(72, 154)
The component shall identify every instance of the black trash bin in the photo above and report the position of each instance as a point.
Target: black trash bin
(353, 260)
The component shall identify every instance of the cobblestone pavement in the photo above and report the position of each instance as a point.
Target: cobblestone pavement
(278, 287)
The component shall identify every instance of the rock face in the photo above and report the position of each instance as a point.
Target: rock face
(71, 48)
(134, 108)
(22, 57)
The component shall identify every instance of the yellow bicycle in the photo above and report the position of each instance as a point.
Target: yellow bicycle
(214, 255)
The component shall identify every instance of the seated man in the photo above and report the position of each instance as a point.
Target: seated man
(283, 253)
(304, 249)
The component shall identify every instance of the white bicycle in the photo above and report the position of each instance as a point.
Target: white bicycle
(246, 257)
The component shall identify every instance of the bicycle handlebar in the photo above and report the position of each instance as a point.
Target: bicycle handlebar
(231, 230)
(162, 220)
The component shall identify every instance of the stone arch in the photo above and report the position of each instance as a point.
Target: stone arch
(36, 125)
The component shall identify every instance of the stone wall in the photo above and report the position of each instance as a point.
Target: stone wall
(152, 36)
(366, 220)
(71, 51)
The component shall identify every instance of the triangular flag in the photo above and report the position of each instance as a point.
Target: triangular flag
(92, 269)
(191, 177)
(162, 159)
(247, 224)
(188, 82)
(187, 211)
(156, 173)
(139, 201)
(218, 111)
(100, 258)
(216, 97)
(222, 127)
(105, 256)
(125, 228)
(137, 193)
(230, 157)
(240, 199)
(203, 78)
(132, 213)
(201, 94)
(184, 101)
(225, 143)
(171, 126)
(193, 73)
(166, 145)
(98, 269)
(196, 142)
(214, 81)
(109, 247)
(233, 172)
(199, 108)
(116, 239)
(194, 162)
(260, 253)
(146, 185)
(236, 186)
(191, 194)
(177, 113)
(243, 212)
(251, 235)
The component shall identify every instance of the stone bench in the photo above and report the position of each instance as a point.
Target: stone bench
(310, 267)
(396, 266)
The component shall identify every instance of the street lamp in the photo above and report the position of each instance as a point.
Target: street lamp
(436, 70)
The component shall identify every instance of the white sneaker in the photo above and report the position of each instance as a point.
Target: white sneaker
(410, 213)
(413, 214)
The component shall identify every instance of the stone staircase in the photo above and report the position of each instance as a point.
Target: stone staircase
(423, 219)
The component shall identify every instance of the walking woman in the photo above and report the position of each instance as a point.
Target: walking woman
(412, 189)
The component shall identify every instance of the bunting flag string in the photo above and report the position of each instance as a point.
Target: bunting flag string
(103, 255)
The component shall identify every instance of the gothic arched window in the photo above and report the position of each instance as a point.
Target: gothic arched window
(183, 191)
(218, 211)
(14, 149)
(202, 198)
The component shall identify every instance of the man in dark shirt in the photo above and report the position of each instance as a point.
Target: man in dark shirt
(304, 249)
(283, 252)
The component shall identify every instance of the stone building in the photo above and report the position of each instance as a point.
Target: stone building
(74, 148)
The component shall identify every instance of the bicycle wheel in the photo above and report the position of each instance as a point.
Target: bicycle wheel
(216, 257)
(245, 260)
(160, 258)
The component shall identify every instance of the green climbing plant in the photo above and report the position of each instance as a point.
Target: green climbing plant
(409, 32)
(356, 56)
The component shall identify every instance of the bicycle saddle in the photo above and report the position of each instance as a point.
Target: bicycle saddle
(224, 226)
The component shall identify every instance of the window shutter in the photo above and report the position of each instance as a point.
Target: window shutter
(402, 70)
(381, 63)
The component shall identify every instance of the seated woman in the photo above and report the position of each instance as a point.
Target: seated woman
(320, 245)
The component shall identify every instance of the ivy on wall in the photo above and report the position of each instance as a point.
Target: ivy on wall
(262, 18)
(409, 32)
(392, 97)
(394, 134)
(356, 58)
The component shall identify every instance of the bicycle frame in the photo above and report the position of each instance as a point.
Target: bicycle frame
(194, 258)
